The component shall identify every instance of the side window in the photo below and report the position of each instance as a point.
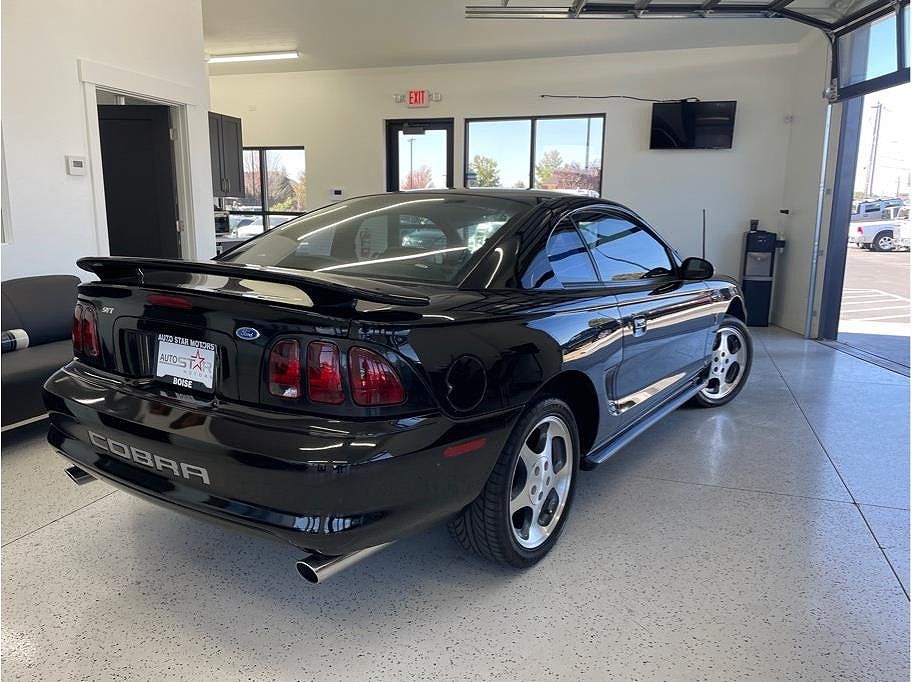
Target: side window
(563, 261)
(622, 250)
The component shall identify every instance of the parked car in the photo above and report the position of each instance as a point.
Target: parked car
(338, 402)
(879, 235)
(874, 209)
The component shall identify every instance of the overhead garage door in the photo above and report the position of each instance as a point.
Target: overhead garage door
(870, 39)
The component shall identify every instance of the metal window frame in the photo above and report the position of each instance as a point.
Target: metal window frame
(533, 121)
(264, 213)
(393, 125)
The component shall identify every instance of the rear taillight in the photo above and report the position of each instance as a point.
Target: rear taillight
(860, 230)
(373, 380)
(285, 369)
(77, 328)
(324, 373)
(85, 331)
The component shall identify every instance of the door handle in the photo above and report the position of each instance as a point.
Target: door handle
(639, 325)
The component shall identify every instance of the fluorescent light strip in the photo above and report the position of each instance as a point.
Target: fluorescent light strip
(254, 57)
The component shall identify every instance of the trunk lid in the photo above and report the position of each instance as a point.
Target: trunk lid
(149, 306)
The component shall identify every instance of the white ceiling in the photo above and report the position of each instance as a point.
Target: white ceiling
(342, 34)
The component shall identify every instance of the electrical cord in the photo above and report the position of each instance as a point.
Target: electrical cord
(630, 97)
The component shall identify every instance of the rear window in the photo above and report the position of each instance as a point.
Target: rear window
(425, 238)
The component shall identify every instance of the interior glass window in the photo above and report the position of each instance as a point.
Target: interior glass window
(498, 153)
(275, 191)
(622, 250)
(286, 182)
(568, 154)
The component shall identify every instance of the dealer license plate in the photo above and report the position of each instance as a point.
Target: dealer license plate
(184, 362)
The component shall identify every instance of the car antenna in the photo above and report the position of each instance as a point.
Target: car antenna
(703, 256)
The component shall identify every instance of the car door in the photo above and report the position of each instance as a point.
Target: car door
(667, 322)
(582, 315)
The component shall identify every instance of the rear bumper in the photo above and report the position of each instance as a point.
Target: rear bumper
(322, 485)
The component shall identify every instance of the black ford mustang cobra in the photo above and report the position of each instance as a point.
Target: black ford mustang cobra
(393, 361)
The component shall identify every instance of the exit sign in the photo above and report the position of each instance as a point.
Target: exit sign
(417, 98)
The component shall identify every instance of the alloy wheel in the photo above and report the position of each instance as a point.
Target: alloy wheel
(727, 366)
(541, 482)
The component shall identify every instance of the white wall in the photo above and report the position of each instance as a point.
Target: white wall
(338, 116)
(808, 77)
(52, 215)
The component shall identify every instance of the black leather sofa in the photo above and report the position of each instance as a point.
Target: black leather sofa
(43, 307)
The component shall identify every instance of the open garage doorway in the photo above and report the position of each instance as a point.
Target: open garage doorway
(872, 314)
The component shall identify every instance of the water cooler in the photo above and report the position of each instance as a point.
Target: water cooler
(759, 265)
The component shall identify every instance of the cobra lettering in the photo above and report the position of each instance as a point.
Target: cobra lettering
(149, 459)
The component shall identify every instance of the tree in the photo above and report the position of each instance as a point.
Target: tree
(487, 172)
(544, 169)
(573, 176)
(420, 178)
(279, 187)
(300, 191)
(520, 184)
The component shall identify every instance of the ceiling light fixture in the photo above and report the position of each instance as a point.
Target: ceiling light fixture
(252, 57)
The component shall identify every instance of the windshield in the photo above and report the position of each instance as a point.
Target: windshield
(426, 238)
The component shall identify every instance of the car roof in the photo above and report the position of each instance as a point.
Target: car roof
(532, 197)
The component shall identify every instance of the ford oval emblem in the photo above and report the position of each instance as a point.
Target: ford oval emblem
(247, 333)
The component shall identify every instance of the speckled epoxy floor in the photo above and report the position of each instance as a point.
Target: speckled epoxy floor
(766, 540)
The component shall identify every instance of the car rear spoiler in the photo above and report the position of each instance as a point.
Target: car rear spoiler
(127, 270)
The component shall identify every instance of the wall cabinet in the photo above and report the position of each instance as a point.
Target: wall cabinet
(226, 154)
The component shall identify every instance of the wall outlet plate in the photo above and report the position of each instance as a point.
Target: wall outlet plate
(336, 193)
(76, 165)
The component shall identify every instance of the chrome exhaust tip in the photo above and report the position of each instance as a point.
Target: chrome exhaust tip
(318, 568)
(78, 476)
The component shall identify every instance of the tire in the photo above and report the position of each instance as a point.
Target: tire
(486, 526)
(729, 368)
(883, 241)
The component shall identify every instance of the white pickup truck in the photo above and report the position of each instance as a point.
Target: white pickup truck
(882, 235)
(875, 209)
(902, 236)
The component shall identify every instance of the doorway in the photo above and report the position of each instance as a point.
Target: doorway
(866, 298)
(419, 154)
(138, 169)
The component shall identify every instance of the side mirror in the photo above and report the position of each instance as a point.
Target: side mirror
(697, 268)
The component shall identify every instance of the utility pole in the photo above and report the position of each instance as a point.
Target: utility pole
(588, 126)
(872, 159)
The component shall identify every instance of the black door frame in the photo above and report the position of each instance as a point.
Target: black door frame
(843, 194)
(393, 126)
(840, 218)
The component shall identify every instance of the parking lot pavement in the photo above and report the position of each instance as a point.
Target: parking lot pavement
(876, 287)
(875, 314)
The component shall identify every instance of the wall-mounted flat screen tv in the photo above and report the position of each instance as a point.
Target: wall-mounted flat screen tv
(692, 125)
